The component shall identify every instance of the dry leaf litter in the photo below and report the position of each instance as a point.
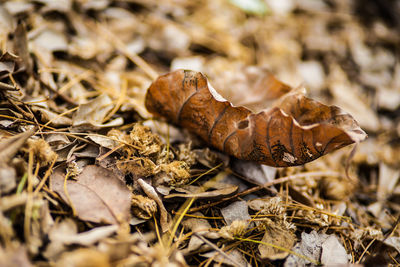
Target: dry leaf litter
(89, 178)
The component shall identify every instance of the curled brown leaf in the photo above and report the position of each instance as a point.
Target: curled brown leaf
(293, 131)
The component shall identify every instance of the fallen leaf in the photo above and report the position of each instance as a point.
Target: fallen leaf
(276, 235)
(92, 114)
(393, 241)
(237, 211)
(333, 252)
(200, 227)
(52, 117)
(97, 195)
(294, 131)
(318, 247)
(253, 172)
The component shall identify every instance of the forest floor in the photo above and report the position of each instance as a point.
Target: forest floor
(88, 177)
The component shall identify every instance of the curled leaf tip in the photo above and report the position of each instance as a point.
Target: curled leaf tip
(292, 131)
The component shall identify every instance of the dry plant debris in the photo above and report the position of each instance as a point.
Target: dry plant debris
(88, 177)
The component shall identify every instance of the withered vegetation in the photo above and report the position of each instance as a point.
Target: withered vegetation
(88, 177)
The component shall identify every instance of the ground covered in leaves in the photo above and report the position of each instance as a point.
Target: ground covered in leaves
(89, 178)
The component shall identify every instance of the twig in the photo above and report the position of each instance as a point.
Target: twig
(366, 250)
(260, 187)
(46, 175)
(223, 253)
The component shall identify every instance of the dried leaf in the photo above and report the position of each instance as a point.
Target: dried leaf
(97, 195)
(293, 132)
(237, 211)
(277, 236)
(393, 241)
(333, 252)
(52, 117)
(253, 172)
(92, 114)
(313, 246)
(51, 40)
(62, 228)
(200, 227)
(89, 237)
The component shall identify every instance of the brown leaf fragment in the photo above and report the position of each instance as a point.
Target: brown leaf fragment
(92, 114)
(237, 211)
(97, 195)
(52, 117)
(200, 227)
(276, 235)
(318, 247)
(294, 131)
